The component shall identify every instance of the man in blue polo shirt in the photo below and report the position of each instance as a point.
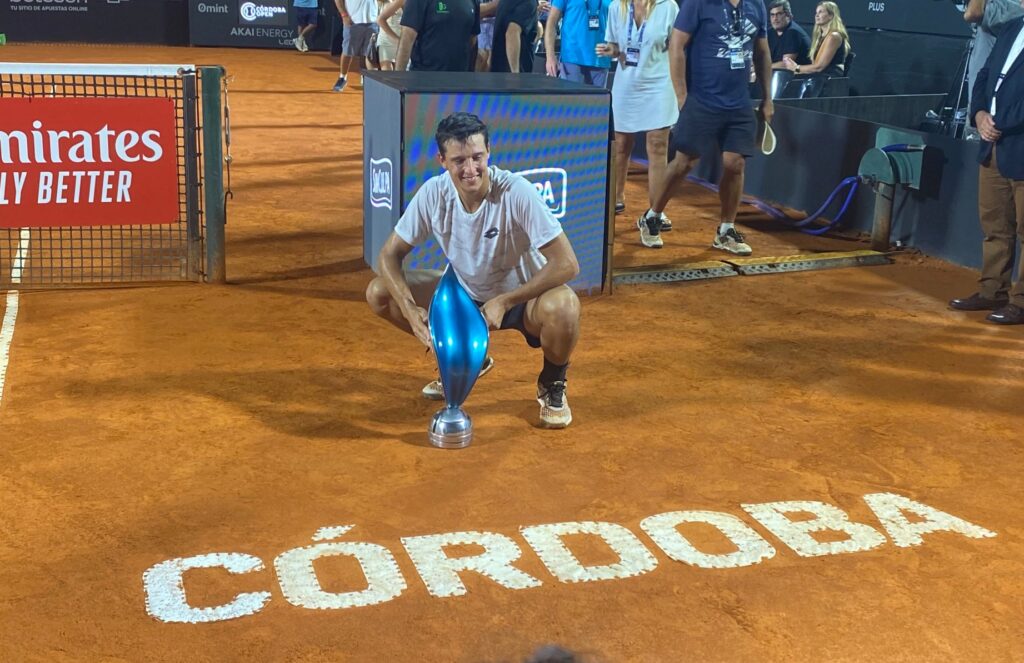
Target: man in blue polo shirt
(583, 25)
(713, 45)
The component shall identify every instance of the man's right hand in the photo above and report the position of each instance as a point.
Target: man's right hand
(987, 126)
(417, 319)
(552, 66)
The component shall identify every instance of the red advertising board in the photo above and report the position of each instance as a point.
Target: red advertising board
(87, 162)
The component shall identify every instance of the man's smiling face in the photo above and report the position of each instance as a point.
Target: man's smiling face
(466, 162)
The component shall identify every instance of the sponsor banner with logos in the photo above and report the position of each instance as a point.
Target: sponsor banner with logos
(251, 23)
(103, 21)
(87, 162)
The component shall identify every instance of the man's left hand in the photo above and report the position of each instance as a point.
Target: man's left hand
(494, 311)
(767, 110)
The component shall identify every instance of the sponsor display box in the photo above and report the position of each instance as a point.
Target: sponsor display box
(552, 132)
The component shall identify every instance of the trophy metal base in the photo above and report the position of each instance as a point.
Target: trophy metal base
(451, 428)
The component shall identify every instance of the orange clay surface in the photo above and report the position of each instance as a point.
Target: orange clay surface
(144, 424)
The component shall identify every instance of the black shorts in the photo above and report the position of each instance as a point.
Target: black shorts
(305, 16)
(515, 319)
(700, 130)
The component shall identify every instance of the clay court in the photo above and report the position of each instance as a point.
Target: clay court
(145, 424)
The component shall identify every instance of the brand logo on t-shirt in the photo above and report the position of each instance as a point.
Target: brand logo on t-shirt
(492, 233)
(380, 183)
(442, 8)
(553, 186)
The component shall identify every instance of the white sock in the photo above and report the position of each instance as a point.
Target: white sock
(650, 213)
(724, 226)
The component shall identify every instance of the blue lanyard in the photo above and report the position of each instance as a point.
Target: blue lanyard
(629, 34)
(593, 12)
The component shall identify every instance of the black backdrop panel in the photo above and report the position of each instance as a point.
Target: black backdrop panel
(97, 21)
(892, 63)
(252, 23)
(931, 17)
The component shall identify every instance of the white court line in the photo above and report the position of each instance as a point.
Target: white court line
(11, 313)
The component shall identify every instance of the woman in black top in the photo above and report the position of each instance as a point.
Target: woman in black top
(829, 43)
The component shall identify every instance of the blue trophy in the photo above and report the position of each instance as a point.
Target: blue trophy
(459, 333)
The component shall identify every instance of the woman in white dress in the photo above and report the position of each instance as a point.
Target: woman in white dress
(642, 96)
(389, 20)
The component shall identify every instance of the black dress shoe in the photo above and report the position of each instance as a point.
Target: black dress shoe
(1011, 314)
(978, 303)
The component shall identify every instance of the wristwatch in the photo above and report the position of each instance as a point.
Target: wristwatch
(796, 70)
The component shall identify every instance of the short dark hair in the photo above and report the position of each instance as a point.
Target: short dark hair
(459, 127)
(785, 7)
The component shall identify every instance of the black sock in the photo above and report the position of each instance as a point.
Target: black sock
(552, 372)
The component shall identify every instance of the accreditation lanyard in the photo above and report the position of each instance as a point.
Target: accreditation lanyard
(633, 52)
(734, 27)
(1015, 52)
(593, 15)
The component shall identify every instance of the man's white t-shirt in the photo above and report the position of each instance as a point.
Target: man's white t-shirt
(362, 12)
(493, 250)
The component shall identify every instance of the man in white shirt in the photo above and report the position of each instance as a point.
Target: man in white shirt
(508, 251)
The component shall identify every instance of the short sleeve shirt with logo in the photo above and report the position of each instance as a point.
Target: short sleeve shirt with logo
(444, 29)
(493, 250)
(721, 49)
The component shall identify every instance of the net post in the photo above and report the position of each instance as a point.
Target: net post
(213, 160)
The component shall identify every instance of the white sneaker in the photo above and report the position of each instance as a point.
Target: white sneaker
(300, 44)
(650, 228)
(666, 223)
(732, 241)
(434, 391)
(554, 405)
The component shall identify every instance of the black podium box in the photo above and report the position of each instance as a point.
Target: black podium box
(552, 132)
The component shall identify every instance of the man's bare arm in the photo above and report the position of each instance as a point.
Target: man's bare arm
(549, 41)
(677, 63)
(389, 260)
(781, 64)
(405, 43)
(763, 62)
(974, 11)
(512, 46)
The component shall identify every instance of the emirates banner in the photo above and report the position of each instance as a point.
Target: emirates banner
(87, 162)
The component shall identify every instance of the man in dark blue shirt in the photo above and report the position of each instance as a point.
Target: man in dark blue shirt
(786, 37)
(712, 48)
